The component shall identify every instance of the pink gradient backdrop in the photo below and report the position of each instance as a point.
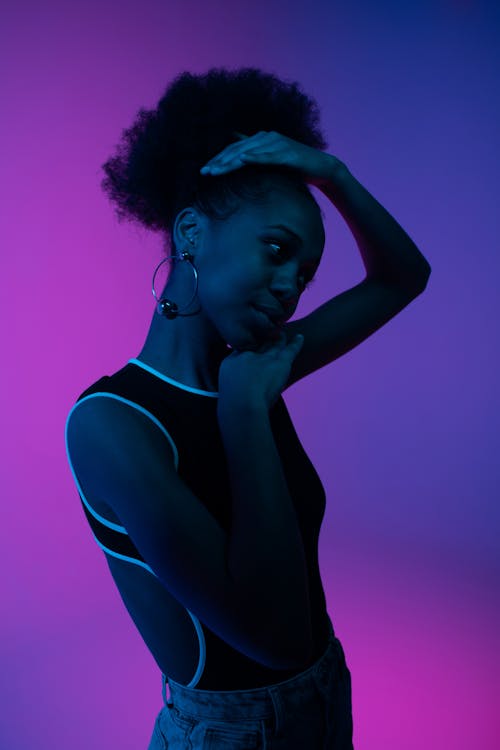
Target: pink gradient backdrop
(403, 430)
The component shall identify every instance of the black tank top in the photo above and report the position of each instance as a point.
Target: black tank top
(188, 418)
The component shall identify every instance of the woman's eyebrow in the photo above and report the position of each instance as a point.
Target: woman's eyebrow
(314, 263)
(288, 230)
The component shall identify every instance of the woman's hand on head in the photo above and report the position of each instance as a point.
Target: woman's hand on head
(268, 147)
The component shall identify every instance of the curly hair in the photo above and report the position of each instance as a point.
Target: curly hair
(155, 170)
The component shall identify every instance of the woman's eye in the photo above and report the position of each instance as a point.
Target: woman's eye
(282, 245)
(276, 244)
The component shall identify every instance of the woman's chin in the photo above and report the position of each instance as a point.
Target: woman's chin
(252, 339)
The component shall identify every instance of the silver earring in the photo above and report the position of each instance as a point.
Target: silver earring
(165, 306)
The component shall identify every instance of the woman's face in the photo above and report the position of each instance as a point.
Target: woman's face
(249, 262)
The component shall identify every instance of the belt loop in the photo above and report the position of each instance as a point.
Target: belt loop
(164, 681)
(277, 709)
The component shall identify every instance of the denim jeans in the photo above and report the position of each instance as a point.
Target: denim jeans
(311, 711)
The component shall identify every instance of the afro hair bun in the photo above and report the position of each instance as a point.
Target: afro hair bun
(155, 170)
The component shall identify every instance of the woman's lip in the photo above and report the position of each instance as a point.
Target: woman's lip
(266, 318)
(274, 323)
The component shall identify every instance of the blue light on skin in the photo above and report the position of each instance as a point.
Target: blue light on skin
(242, 261)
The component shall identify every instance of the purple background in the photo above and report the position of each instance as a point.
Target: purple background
(403, 429)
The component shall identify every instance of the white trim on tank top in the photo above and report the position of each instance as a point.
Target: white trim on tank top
(157, 422)
(122, 530)
(135, 361)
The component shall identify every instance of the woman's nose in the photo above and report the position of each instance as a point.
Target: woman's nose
(287, 291)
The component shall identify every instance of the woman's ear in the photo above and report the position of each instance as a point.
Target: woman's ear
(186, 228)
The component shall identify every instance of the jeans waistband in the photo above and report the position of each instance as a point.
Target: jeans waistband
(257, 703)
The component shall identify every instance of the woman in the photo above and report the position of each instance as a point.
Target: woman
(190, 472)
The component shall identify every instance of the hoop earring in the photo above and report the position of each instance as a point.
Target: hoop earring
(165, 306)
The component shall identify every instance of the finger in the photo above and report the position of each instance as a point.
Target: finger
(218, 169)
(264, 156)
(280, 344)
(297, 341)
(295, 345)
(265, 346)
(282, 340)
(272, 345)
(234, 148)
